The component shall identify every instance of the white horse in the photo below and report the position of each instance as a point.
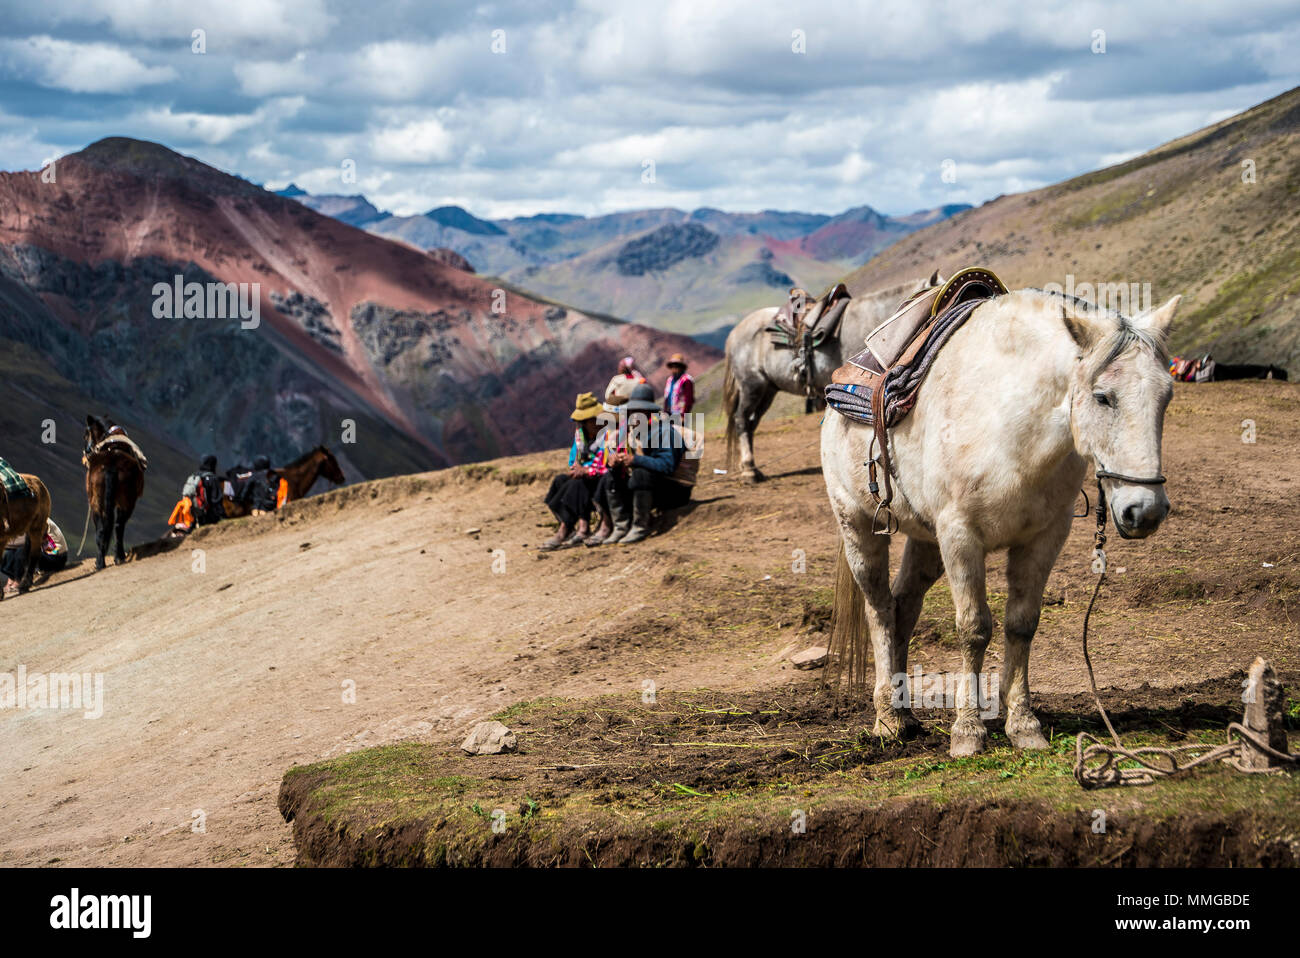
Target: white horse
(756, 369)
(1029, 391)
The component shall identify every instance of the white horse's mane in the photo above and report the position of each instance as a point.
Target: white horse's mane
(1124, 335)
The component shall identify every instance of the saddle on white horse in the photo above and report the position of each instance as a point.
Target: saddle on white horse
(804, 326)
(802, 316)
(879, 385)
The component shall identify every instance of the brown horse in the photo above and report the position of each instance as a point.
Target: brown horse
(114, 483)
(301, 475)
(26, 516)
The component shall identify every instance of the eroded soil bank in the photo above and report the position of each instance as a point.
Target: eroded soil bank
(789, 778)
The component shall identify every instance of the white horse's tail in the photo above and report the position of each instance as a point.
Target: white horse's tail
(850, 643)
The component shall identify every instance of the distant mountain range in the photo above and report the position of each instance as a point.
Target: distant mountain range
(415, 360)
(695, 272)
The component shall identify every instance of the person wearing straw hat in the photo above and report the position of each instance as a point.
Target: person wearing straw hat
(570, 495)
(679, 391)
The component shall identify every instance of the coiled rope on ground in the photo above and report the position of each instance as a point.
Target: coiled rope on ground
(1153, 761)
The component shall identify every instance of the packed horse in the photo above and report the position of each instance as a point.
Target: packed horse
(115, 480)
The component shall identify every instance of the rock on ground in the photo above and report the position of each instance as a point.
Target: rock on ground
(813, 658)
(489, 738)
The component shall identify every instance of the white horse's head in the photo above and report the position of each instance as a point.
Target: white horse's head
(1120, 387)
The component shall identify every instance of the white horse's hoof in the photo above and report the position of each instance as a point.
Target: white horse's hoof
(969, 737)
(1024, 731)
(899, 725)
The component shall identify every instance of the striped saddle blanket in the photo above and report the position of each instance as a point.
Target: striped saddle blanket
(15, 488)
(882, 381)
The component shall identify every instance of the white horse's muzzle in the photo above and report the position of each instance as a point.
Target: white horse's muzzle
(1138, 510)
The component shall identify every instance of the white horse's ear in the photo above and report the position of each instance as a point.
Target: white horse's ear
(1084, 327)
(936, 279)
(1157, 321)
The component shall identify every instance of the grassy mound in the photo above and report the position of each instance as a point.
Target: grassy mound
(788, 778)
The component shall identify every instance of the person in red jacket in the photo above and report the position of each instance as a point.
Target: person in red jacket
(679, 393)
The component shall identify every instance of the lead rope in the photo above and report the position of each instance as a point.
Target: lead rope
(84, 529)
(1154, 761)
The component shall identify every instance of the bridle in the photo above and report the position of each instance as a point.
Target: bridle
(1134, 480)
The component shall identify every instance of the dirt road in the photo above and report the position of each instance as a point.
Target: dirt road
(223, 668)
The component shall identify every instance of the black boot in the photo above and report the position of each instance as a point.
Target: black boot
(621, 514)
(642, 503)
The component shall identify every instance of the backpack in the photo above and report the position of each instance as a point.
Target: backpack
(207, 499)
(258, 493)
(688, 466)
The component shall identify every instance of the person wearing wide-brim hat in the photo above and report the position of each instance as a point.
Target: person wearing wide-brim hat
(586, 407)
(570, 497)
(642, 400)
(679, 391)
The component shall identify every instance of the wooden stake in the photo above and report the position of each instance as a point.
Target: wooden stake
(1264, 703)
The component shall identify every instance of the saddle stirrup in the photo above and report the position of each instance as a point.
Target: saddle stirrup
(890, 526)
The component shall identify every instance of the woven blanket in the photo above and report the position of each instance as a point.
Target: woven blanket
(120, 442)
(14, 485)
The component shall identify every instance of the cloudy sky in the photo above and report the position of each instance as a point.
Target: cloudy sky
(512, 108)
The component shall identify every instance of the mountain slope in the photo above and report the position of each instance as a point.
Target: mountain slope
(683, 277)
(420, 363)
(699, 274)
(575, 259)
(354, 210)
(1180, 218)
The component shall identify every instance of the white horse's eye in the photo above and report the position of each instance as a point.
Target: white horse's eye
(1102, 399)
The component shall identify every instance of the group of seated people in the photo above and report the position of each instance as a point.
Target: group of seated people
(631, 455)
(254, 491)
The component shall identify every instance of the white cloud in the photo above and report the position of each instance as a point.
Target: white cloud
(405, 71)
(228, 23)
(419, 141)
(213, 128)
(732, 117)
(854, 168)
(79, 67)
(259, 78)
(201, 127)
